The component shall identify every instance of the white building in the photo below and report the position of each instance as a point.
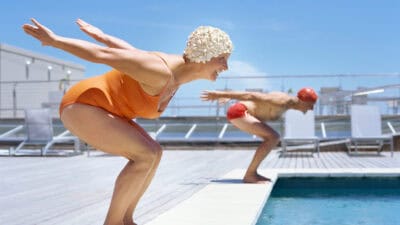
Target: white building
(31, 80)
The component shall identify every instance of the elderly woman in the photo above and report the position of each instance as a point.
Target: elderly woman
(100, 109)
(251, 112)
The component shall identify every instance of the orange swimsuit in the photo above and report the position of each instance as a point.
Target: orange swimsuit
(116, 93)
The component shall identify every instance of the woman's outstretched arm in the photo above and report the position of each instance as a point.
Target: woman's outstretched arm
(100, 36)
(83, 49)
(140, 65)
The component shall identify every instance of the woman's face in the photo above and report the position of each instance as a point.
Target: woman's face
(216, 65)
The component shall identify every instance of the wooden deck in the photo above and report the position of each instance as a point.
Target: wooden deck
(77, 190)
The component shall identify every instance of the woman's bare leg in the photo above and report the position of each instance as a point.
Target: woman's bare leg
(270, 138)
(128, 217)
(116, 136)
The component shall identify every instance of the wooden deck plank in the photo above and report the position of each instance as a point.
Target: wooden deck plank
(77, 190)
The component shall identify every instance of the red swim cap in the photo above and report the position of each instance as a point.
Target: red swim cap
(307, 95)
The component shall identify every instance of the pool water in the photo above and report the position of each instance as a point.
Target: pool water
(333, 201)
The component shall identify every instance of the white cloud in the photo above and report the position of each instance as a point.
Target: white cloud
(247, 77)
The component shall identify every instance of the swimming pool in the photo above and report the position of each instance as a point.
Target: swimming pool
(332, 201)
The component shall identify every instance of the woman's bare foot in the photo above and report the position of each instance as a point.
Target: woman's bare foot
(129, 222)
(255, 179)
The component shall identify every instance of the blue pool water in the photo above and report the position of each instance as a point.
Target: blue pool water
(333, 201)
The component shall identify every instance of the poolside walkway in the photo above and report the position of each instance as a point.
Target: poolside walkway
(77, 190)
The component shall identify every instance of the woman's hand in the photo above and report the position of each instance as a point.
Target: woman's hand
(40, 32)
(97, 34)
(91, 30)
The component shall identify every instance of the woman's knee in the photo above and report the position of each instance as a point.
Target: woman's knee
(148, 153)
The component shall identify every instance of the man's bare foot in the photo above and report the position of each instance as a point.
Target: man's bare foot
(255, 179)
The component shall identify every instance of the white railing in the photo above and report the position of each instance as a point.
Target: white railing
(336, 93)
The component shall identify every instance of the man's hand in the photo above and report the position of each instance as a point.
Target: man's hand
(208, 96)
(212, 96)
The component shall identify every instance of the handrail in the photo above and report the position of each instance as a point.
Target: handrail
(12, 131)
(223, 130)
(161, 129)
(323, 130)
(190, 131)
(391, 127)
(63, 134)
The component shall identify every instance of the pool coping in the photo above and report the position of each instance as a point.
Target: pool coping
(229, 201)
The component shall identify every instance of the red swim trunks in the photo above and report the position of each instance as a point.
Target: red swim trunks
(237, 110)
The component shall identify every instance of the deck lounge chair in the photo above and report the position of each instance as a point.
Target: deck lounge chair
(10, 139)
(300, 129)
(39, 132)
(366, 129)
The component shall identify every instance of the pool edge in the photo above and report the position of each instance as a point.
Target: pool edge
(214, 202)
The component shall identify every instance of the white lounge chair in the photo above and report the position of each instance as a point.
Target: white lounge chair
(9, 138)
(366, 129)
(39, 132)
(300, 129)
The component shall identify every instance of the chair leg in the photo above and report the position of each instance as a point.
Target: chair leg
(348, 146)
(76, 145)
(380, 147)
(48, 145)
(391, 147)
(19, 147)
(356, 147)
(315, 148)
(283, 143)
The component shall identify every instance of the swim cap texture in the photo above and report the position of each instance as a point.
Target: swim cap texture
(207, 42)
(307, 95)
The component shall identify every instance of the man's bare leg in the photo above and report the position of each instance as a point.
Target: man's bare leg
(251, 175)
(252, 125)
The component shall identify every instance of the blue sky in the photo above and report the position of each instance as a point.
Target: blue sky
(270, 37)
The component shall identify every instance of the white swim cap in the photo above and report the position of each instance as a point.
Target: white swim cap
(207, 42)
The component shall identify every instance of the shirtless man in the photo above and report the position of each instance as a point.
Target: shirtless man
(251, 112)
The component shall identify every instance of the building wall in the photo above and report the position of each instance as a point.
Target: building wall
(31, 80)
